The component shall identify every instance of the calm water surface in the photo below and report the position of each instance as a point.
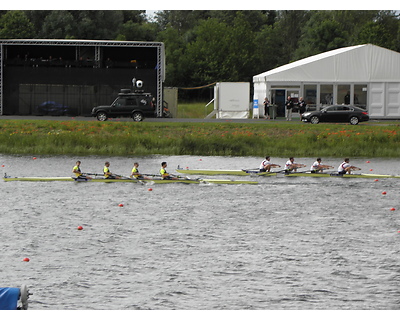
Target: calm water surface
(287, 243)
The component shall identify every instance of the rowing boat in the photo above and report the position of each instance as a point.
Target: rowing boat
(225, 172)
(283, 173)
(157, 181)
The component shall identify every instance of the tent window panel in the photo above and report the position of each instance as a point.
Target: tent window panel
(360, 95)
(310, 96)
(326, 95)
(343, 94)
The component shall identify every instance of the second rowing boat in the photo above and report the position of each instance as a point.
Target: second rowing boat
(283, 173)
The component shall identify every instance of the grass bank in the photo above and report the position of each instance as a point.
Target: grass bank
(279, 139)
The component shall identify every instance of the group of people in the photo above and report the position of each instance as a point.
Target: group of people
(289, 106)
(134, 172)
(291, 166)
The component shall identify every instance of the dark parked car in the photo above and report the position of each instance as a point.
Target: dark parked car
(134, 105)
(53, 108)
(338, 113)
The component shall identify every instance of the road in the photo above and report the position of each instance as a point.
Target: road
(65, 118)
(261, 120)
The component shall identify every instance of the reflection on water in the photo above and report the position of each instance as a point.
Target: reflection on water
(287, 243)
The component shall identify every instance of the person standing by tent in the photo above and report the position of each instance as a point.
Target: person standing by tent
(289, 107)
(302, 107)
(266, 108)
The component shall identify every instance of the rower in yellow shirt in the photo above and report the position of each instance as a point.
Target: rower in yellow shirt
(107, 172)
(135, 172)
(78, 173)
(164, 174)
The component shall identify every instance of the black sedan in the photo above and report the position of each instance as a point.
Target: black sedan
(338, 113)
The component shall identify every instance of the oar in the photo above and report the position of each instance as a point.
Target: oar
(245, 170)
(279, 171)
(93, 174)
(150, 175)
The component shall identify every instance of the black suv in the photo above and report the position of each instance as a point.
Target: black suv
(135, 105)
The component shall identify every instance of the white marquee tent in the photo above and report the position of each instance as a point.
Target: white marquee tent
(364, 75)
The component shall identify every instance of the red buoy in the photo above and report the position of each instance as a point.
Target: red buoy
(26, 259)
(80, 228)
(150, 189)
(392, 209)
(384, 192)
(120, 205)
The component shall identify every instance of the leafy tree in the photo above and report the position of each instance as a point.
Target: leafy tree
(97, 25)
(206, 55)
(204, 46)
(321, 33)
(135, 31)
(266, 49)
(181, 20)
(15, 25)
(136, 16)
(287, 31)
(58, 25)
(240, 58)
(381, 31)
(176, 74)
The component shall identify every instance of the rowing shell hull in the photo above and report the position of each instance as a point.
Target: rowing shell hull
(272, 174)
(353, 175)
(224, 172)
(157, 181)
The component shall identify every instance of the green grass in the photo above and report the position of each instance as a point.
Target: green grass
(279, 139)
(194, 110)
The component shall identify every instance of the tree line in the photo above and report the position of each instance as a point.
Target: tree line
(207, 46)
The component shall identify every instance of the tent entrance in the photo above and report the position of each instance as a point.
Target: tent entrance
(279, 96)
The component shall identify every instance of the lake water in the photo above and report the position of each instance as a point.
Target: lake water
(284, 244)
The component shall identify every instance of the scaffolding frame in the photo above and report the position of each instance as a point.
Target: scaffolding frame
(97, 44)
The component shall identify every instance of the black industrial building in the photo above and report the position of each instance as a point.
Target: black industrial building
(70, 77)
